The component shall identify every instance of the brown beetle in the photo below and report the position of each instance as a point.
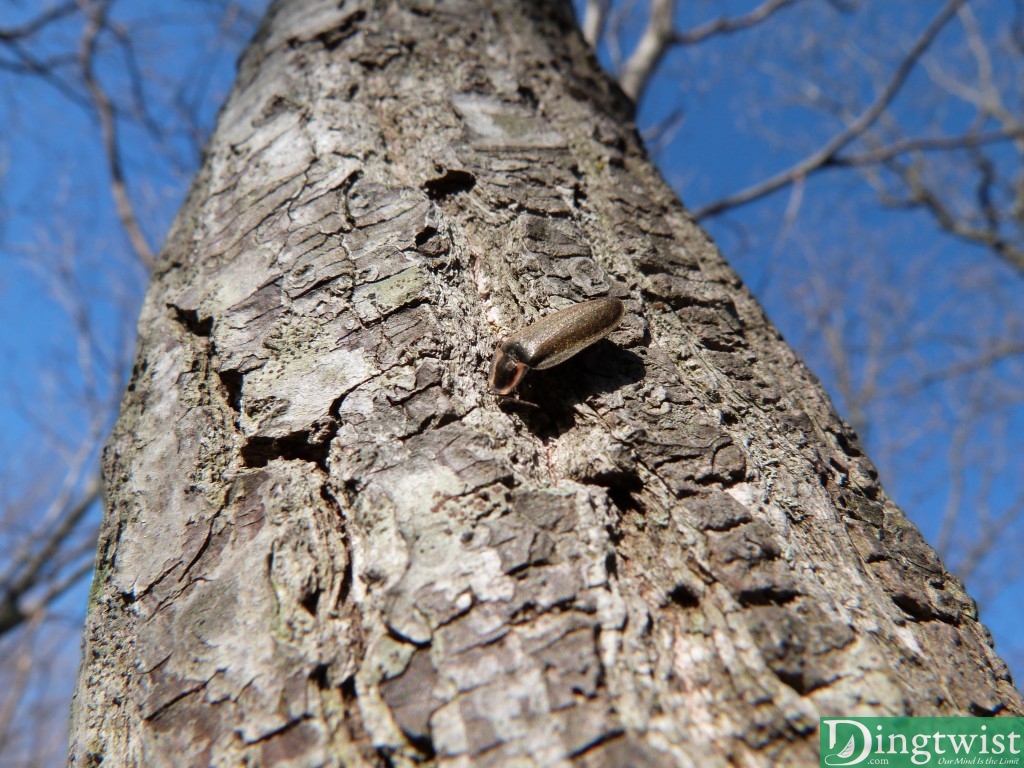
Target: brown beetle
(552, 340)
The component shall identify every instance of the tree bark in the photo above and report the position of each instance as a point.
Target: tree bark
(326, 543)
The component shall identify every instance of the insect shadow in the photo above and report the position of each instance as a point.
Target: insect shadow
(548, 398)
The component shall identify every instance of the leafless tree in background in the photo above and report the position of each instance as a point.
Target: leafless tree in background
(966, 180)
(928, 114)
(86, 283)
(969, 178)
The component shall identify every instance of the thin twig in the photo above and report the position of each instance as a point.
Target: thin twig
(827, 154)
(96, 14)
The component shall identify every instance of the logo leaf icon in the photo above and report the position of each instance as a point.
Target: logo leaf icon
(847, 750)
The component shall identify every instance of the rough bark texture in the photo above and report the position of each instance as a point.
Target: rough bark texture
(326, 544)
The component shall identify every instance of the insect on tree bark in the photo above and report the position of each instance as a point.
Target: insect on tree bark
(553, 340)
(326, 544)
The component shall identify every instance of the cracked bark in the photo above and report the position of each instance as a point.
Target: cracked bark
(326, 544)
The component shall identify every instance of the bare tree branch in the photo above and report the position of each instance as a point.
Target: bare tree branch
(988, 538)
(96, 13)
(595, 14)
(827, 154)
(660, 34)
(25, 63)
(36, 25)
(882, 154)
(35, 561)
(991, 357)
(725, 26)
(655, 40)
(919, 194)
(17, 685)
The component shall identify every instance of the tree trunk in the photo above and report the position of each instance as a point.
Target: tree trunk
(327, 544)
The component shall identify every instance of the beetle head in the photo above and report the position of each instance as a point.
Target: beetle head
(506, 371)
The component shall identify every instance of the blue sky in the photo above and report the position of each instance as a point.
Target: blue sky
(938, 300)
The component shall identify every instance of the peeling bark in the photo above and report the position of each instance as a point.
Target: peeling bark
(326, 544)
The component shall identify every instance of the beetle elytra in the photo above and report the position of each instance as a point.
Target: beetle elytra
(551, 340)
